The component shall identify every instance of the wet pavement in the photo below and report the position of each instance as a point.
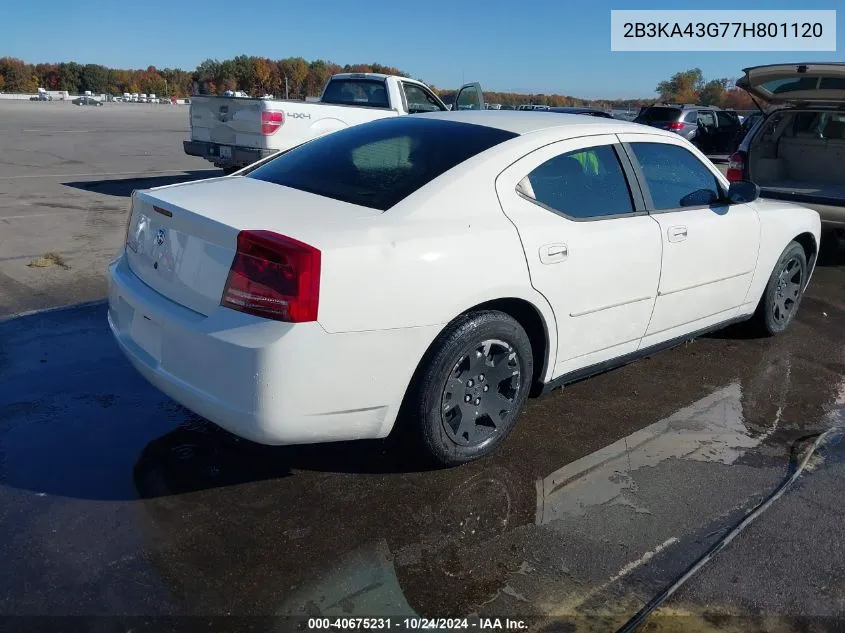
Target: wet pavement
(116, 501)
(784, 572)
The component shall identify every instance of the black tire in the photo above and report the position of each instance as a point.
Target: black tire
(783, 293)
(230, 170)
(485, 341)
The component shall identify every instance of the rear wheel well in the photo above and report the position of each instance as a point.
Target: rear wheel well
(529, 318)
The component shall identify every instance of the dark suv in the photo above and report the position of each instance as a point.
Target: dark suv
(710, 129)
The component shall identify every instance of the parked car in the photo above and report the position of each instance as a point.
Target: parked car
(91, 101)
(582, 110)
(710, 129)
(796, 151)
(259, 127)
(41, 96)
(443, 264)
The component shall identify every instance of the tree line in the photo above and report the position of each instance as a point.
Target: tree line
(296, 78)
(690, 86)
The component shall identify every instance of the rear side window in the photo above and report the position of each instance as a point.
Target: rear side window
(675, 177)
(380, 163)
(660, 114)
(584, 184)
(359, 92)
(691, 116)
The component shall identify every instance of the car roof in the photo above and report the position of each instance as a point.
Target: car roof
(526, 122)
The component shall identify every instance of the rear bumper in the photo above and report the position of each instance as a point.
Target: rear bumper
(269, 382)
(241, 156)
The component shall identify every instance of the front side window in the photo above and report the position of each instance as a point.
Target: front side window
(707, 119)
(420, 100)
(675, 177)
(584, 184)
(469, 98)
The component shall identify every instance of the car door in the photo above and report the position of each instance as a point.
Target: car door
(706, 130)
(591, 249)
(469, 97)
(727, 130)
(709, 247)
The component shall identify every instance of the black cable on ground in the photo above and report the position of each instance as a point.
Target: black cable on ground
(794, 471)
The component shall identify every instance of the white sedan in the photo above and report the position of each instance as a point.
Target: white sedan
(427, 272)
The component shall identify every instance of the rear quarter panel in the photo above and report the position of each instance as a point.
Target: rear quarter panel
(443, 250)
(780, 223)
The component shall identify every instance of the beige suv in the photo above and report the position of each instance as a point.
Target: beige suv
(796, 151)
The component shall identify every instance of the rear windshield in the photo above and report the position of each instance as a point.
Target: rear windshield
(359, 92)
(800, 84)
(659, 114)
(380, 163)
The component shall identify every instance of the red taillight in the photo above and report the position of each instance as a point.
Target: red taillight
(274, 277)
(736, 167)
(271, 120)
(676, 125)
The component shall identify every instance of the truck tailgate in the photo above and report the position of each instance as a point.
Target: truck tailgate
(228, 121)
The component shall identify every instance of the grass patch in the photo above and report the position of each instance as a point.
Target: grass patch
(47, 260)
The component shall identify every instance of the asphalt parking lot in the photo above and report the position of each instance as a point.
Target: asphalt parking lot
(66, 173)
(114, 501)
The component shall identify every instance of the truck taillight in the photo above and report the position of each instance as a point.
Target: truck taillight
(736, 167)
(271, 120)
(275, 277)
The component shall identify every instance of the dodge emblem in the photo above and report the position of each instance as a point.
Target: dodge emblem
(160, 235)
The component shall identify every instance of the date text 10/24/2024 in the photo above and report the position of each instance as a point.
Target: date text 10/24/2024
(416, 624)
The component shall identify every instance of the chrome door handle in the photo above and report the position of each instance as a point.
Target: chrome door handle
(553, 253)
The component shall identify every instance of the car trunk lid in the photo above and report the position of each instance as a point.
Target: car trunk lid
(181, 239)
(796, 84)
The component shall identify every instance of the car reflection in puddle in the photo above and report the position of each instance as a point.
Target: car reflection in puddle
(241, 528)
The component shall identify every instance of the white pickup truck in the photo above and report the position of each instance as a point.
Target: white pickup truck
(233, 132)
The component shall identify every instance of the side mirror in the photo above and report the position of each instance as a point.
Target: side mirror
(743, 191)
